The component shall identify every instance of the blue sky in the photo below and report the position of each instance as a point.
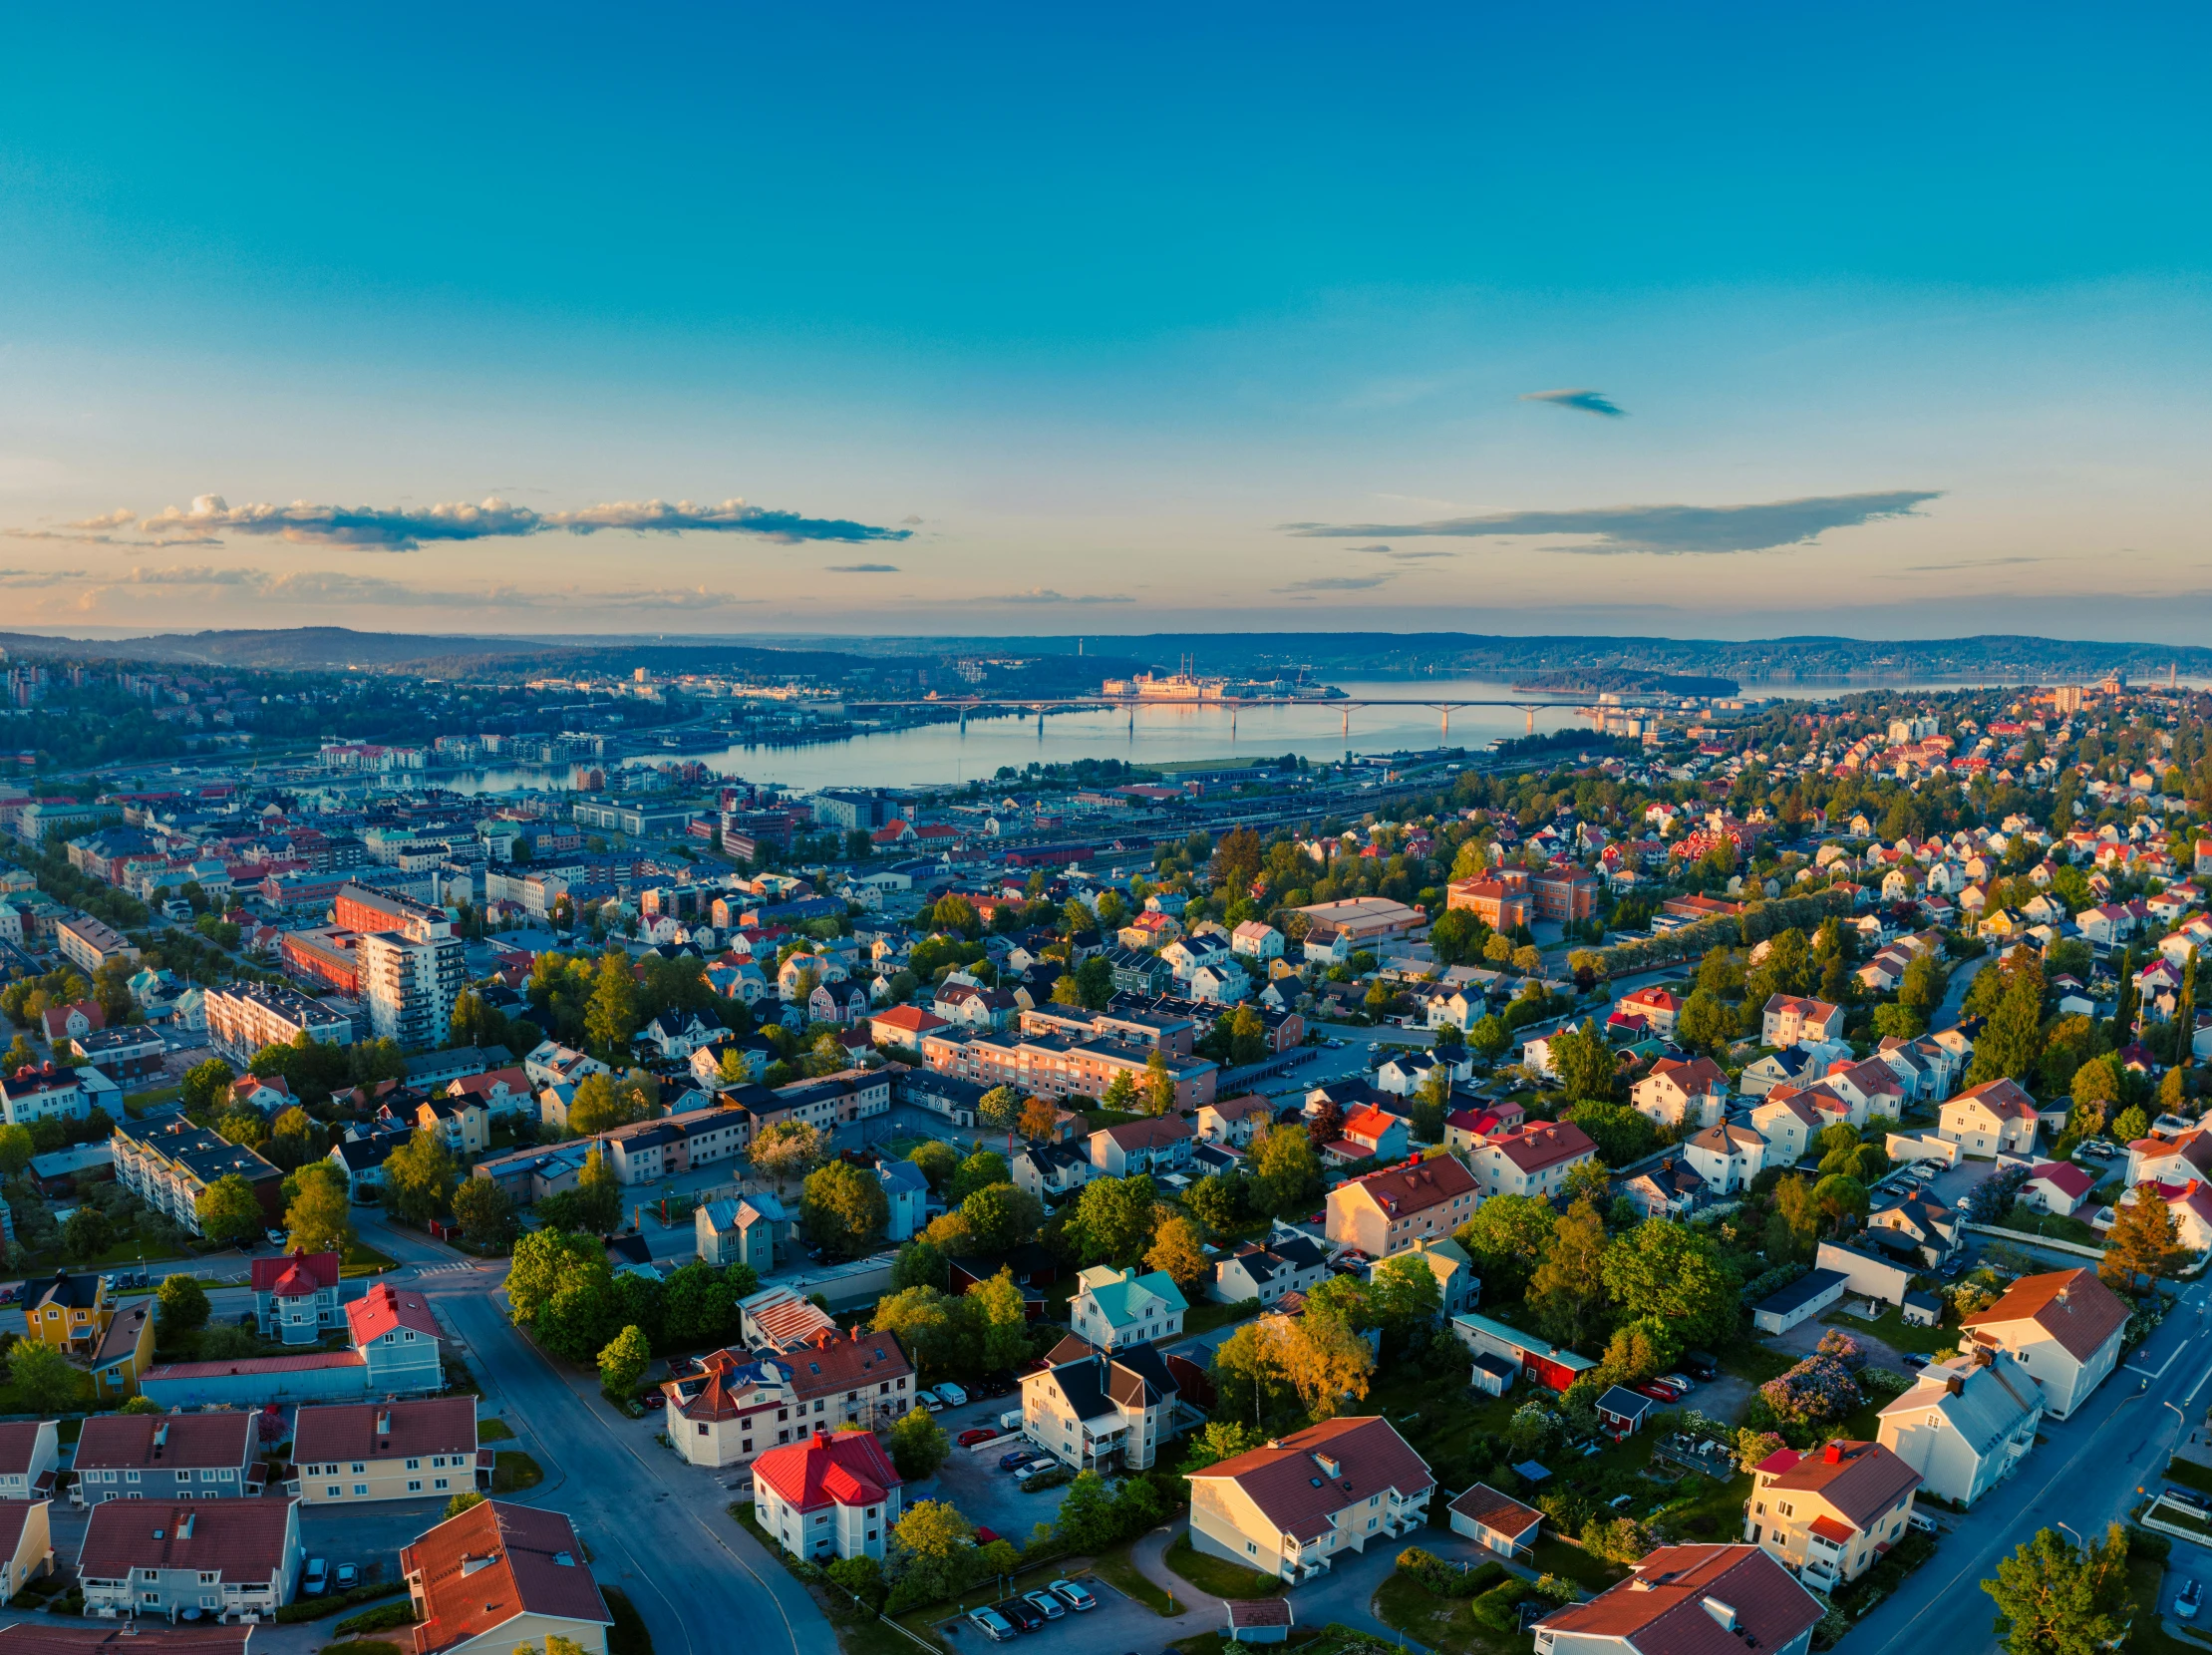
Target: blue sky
(1001, 321)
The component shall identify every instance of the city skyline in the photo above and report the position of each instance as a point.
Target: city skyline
(1715, 326)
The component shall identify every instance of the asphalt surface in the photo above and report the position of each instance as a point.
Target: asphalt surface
(657, 1527)
(2088, 1474)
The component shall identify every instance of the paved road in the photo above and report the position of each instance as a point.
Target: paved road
(2086, 1476)
(656, 1526)
(1954, 996)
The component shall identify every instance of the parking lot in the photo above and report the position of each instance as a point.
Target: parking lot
(972, 1480)
(1116, 1624)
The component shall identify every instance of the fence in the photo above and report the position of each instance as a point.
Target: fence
(2021, 1237)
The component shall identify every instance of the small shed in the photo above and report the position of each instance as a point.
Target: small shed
(1621, 1411)
(1921, 1309)
(1258, 1619)
(1801, 1301)
(1492, 1375)
(1495, 1520)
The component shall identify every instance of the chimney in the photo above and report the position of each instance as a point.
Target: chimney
(162, 1435)
(384, 1422)
(1833, 1453)
(1722, 1612)
(1955, 1384)
(185, 1525)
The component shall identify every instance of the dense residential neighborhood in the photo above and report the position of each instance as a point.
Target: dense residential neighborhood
(1590, 1185)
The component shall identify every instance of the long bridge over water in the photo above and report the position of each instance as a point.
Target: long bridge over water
(1040, 705)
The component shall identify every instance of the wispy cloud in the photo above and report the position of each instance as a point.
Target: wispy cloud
(1588, 402)
(862, 568)
(24, 579)
(1661, 531)
(1339, 584)
(409, 528)
(89, 539)
(327, 588)
(1396, 555)
(1972, 563)
(1045, 595)
(120, 517)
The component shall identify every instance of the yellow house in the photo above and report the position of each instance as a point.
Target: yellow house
(69, 1314)
(463, 1123)
(125, 1351)
(1830, 1513)
(26, 1544)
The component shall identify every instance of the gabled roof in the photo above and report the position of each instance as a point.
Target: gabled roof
(1501, 1513)
(1298, 1481)
(19, 1440)
(385, 1430)
(315, 1272)
(1544, 1144)
(384, 1308)
(2064, 1176)
(1663, 1609)
(241, 1539)
(133, 1440)
(2072, 1306)
(2002, 1098)
(492, 1562)
(1861, 1480)
(850, 1468)
(1400, 1191)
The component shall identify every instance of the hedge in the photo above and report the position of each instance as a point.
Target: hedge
(382, 1616)
(1442, 1579)
(314, 1608)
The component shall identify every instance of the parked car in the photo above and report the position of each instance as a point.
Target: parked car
(992, 1625)
(1016, 1459)
(952, 1395)
(655, 1398)
(1021, 1614)
(1683, 1384)
(316, 1580)
(929, 1400)
(1702, 1365)
(1923, 1521)
(2185, 1607)
(346, 1578)
(1913, 1359)
(985, 1535)
(1045, 1604)
(1652, 1388)
(1076, 1597)
(975, 1433)
(1011, 1420)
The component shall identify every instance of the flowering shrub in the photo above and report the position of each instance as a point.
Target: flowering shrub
(1845, 1349)
(1815, 1391)
(1884, 1379)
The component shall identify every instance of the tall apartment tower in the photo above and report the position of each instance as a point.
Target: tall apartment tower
(410, 977)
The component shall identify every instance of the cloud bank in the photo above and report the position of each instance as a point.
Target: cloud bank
(409, 528)
(1588, 402)
(325, 588)
(1660, 530)
(1045, 595)
(1338, 583)
(862, 568)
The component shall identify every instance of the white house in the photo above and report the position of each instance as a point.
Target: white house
(1995, 1117)
(1966, 1425)
(1728, 1156)
(1113, 1308)
(2056, 1186)
(829, 1496)
(2065, 1327)
(1678, 1093)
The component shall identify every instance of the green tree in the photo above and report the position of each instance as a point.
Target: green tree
(484, 1212)
(603, 1103)
(544, 1261)
(2013, 1040)
(930, 1324)
(623, 1361)
(1114, 1217)
(319, 1217)
(979, 1171)
(785, 1150)
(581, 1317)
(205, 1088)
(2143, 1244)
(229, 1211)
(932, 1529)
(16, 1149)
(296, 1140)
(1179, 1248)
(843, 1208)
(598, 1202)
(1286, 1173)
(1793, 1231)
(999, 1108)
(1159, 1084)
(1220, 1200)
(2132, 1125)
(1675, 1275)
(938, 1161)
(1121, 1094)
(919, 1264)
(699, 1303)
(1095, 982)
(1506, 1239)
(1706, 1022)
(1840, 1197)
(182, 1304)
(2055, 1599)
(44, 1381)
(420, 1177)
(1404, 1297)
(87, 1234)
(1489, 1037)
(1567, 1292)
(611, 1017)
(461, 1501)
(1002, 1317)
(1622, 1135)
(999, 1215)
(1583, 1062)
(1087, 1522)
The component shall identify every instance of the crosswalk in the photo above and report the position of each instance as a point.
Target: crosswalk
(444, 1269)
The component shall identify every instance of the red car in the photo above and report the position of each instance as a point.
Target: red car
(984, 1536)
(974, 1435)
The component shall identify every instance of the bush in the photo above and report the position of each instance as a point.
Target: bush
(1445, 1579)
(1053, 1477)
(1884, 1379)
(627, 1636)
(314, 1608)
(382, 1616)
(1499, 1607)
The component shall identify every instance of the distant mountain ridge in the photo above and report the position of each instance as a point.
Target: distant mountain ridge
(1815, 659)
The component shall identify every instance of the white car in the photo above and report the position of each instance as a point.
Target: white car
(951, 1395)
(1045, 1604)
(929, 1400)
(1074, 1596)
(317, 1578)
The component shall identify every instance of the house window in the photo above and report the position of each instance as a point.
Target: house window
(417, 1465)
(414, 1485)
(437, 1483)
(361, 1488)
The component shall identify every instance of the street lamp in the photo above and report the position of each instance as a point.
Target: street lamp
(2071, 1534)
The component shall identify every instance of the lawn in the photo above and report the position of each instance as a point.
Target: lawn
(2149, 1635)
(627, 1636)
(2190, 1474)
(512, 1470)
(1217, 1574)
(2050, 1225)
(363, 1260)
(1713, 1512)
(1205, 1316)
(1556, 1557)
(1749, 1359)
(1894, 1331)
(1441, 1623)
(1100, 1118)
(495, 1430)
